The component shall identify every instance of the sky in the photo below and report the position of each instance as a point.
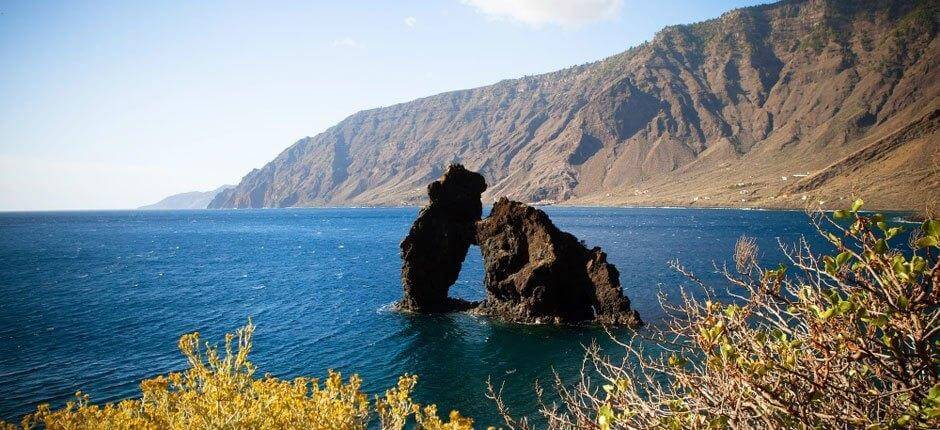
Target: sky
(117, 104)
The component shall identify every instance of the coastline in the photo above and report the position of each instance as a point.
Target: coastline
(418, 206)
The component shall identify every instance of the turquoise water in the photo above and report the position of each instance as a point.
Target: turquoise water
(95, 301)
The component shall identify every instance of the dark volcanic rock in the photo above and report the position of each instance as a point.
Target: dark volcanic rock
(438, 241)
(538, 273)
(535, 273)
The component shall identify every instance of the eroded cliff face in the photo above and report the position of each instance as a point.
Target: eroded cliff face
(771, 105)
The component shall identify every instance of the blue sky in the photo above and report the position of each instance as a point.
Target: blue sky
(115, 104)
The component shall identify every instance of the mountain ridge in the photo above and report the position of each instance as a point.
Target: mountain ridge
(741, 110)
(188, 200)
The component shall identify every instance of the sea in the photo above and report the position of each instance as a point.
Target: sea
(96, 301)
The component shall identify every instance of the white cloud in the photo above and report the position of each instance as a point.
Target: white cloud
(411, 21)
(347, 42)
(536, 13)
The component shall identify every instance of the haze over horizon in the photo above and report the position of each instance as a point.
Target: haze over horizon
(110, 105)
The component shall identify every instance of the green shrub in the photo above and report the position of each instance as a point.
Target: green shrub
(851, 340)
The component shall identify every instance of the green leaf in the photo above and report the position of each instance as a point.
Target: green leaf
(878, 321)
(677, 361)
(886, 340)
(719, 423)
(605, 416)
(732, 310)
(840, 214)
(918, 264)
(881, 246)
(843, 307)
(927, 241)
(932, 412)
(829, 264)
(728, 352)
(856, 226)
(898, 266)
(843, 257)
(934, 393)
(903, 302)
(931, 227)
(893, 231)
(857, 205)
(878, 218)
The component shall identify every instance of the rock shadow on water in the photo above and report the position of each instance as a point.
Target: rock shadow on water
(455, 354)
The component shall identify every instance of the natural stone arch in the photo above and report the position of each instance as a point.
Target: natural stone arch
(534, 272)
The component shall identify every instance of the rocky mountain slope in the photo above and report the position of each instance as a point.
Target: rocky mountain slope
(778, 105)
(190, 200)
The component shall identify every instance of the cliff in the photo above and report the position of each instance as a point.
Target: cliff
(772, 105)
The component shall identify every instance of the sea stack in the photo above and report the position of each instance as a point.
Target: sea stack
(438, 241)
(535, 273)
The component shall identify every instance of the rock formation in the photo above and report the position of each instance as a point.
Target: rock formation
(538, 273)
(438, 241)
(535, 273)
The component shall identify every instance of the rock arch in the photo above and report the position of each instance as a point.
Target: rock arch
(534, 272)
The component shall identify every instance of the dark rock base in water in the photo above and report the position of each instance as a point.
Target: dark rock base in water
(538, 273)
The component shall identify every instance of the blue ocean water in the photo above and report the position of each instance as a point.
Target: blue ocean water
(95, 301)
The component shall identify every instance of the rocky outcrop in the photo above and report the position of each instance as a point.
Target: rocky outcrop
(538, 273)
(438, 241)
(725, 112)
(535, 273)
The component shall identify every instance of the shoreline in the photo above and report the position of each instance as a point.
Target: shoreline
(562, 205)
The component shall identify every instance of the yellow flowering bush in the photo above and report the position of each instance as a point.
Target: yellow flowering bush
(219, 391)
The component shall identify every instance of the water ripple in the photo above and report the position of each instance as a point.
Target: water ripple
(97, 300)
